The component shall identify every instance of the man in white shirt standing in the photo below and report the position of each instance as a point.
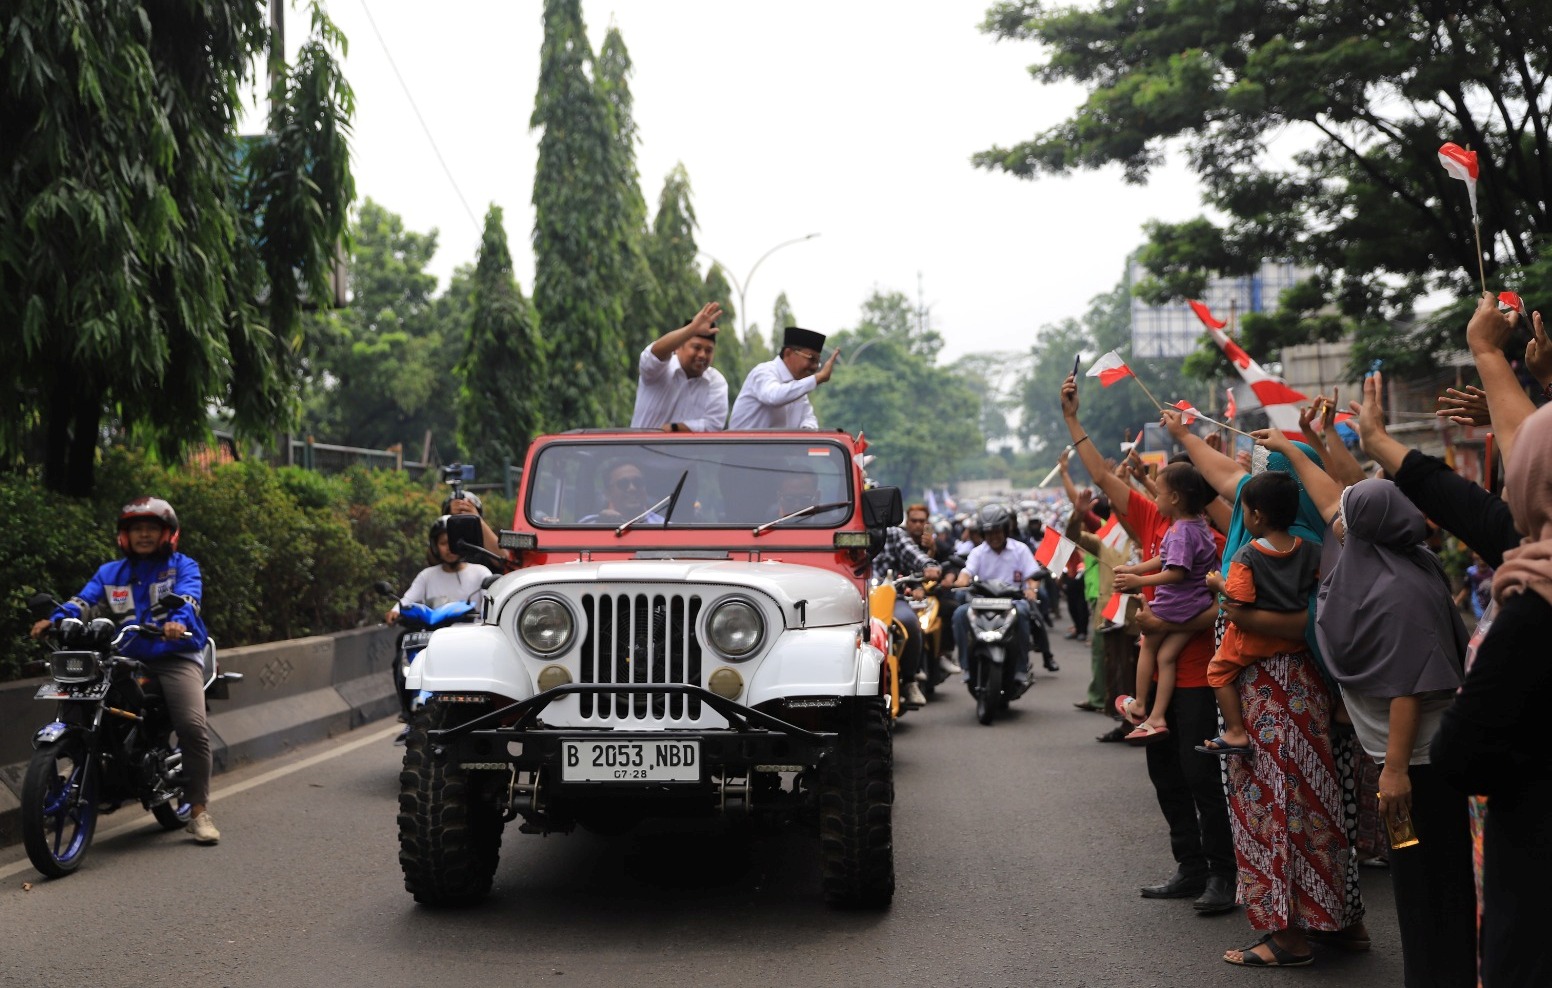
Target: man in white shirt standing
(775, 394)
(677, 389)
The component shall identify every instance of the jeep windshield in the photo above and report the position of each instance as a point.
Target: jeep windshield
(732, 484)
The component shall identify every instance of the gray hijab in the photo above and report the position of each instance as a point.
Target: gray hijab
(1384, 614)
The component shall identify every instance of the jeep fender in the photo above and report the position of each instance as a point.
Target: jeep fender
(470, 659)
(816, 662)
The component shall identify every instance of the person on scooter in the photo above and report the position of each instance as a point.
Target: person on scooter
(902, 554)
(448, 578)
(130, 589)
(919, 528)
(1009, 561)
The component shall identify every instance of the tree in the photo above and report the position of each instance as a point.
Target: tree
(1111, 415)
(151, 265)
(384, 370)
(671, 254)
(1370, 91)
(643, 322)
(582, 233)
(500, 408)
(781, 317)
(920, 419)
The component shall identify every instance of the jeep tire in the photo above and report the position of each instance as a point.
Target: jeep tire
(856, 804)
(449, 828)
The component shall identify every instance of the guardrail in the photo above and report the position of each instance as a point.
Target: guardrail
(292, 692)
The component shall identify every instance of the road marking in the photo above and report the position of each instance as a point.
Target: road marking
(143, 823)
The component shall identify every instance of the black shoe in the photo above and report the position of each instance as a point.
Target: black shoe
(1117, 733)
(1087, 707)
(1217, 897)
(1050, 663)
(1179, 886)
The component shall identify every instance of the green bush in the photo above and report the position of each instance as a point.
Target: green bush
(284, 552)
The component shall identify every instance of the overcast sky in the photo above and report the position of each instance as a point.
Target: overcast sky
(854, 120)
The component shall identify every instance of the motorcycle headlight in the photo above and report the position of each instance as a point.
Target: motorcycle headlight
(735, 628)
(545, 625)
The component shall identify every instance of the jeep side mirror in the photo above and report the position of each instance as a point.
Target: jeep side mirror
(486, 583)
(465, 529)
(882, 507)
(386, 589)
(41, 605)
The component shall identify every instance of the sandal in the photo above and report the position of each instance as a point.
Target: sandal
(1281, 956)
(1145, 733)
(1218, 746)
(1121, 703)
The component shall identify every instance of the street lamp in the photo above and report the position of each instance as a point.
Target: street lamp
(742, 286)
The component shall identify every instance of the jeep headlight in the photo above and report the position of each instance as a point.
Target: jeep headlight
(735, 628)
(545, 625)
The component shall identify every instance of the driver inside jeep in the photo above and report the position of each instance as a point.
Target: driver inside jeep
(625, 497)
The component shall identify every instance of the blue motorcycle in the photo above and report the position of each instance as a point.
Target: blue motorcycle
(417, 622)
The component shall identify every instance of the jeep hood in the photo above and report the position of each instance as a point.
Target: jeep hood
(831, 598)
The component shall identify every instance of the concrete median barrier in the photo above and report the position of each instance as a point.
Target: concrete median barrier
(292, 692)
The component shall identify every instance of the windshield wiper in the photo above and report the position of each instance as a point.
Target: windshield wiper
(673, 499)
(812, 509)
(670, 500)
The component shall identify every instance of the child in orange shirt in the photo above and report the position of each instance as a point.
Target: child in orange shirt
(1274, 571)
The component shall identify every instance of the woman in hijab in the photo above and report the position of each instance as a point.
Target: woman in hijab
(1490, 740)
(1394, 640)
(1288, 805)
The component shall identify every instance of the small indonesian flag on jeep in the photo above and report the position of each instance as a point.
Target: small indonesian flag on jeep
(818, 451)
(1054, 550)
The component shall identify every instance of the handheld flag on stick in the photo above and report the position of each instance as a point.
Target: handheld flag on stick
(1462, 164)
(1229, 407)
(1110, 368)
(1118, 610)
(1280, 401)
(1054, 550)
(1205, 314)
(1188, 412)
(1513, 301)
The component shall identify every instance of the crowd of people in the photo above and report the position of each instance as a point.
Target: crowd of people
(1321, 703)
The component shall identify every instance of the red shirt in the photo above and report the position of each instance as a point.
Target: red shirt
(1149, 526)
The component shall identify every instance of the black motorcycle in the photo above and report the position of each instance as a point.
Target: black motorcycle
(993, 664)
(109, 742)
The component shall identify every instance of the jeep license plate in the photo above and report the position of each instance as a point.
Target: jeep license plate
(630, 761)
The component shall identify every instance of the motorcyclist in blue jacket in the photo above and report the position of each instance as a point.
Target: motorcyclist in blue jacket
(129, 590)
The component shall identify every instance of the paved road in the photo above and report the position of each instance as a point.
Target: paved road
(1019, 849)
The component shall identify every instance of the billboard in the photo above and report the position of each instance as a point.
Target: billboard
(1173, 330)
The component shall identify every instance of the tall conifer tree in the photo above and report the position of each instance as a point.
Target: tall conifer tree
(643, 322)
(671, 252)
(582, 231)
(500, 404)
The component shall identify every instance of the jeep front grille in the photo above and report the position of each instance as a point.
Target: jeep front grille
(640, 638)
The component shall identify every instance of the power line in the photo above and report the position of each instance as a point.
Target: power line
(425, 129)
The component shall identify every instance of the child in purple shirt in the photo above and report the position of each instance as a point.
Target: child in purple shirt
(1178, 575)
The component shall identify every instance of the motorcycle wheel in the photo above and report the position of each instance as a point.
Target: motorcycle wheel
(172, 814)
(59, 806)
(986, 692)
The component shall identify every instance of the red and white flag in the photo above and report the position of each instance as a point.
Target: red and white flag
(1280, 402)
(1205, 314)
(1462, 164)
(1115, 610)
(1229, 407)
(1110, 368)
(1054, 550)
(1188, 412)
(1112, 534)
(1513, 301)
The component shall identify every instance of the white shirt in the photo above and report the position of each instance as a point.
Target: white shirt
(664, 394)
(435, 586)
(1014, 564)
(772, 398)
